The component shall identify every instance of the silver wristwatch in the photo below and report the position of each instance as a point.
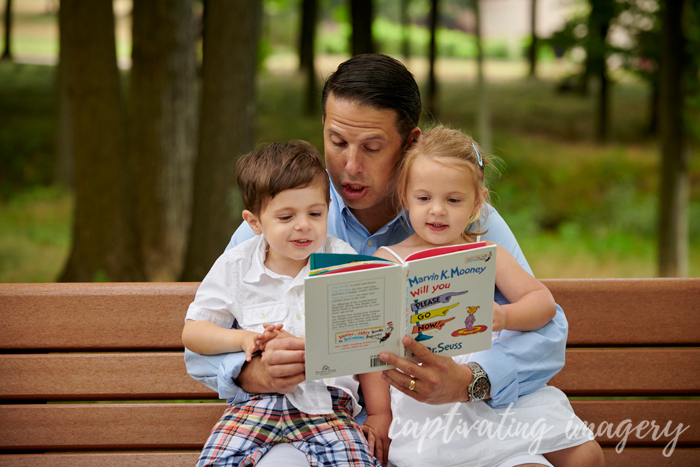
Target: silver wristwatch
(480, 386)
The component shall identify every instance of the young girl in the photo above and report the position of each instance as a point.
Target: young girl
(441, 185)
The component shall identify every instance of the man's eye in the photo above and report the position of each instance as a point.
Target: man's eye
(372, 149)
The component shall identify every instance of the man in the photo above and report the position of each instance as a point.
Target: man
(371, 107)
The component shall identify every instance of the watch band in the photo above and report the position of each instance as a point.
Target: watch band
(480, 385)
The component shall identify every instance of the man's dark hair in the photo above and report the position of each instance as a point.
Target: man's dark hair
(269, 170)
(378, 81)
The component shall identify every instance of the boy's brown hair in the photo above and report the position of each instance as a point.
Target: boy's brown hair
(268, 170)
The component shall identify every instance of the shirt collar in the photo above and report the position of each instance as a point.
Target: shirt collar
(257, 268)
(345, 211)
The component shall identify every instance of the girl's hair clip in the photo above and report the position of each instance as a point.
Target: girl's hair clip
(478, 156)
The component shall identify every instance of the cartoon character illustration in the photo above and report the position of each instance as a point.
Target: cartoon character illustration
(469, 322)
(389, 330)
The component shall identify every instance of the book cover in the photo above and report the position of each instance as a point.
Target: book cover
(442, 297)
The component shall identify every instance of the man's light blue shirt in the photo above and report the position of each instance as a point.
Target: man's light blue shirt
(518, 363)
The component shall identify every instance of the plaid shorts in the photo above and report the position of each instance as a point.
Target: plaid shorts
(247, 431)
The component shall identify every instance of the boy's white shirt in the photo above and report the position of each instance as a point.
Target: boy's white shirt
(240, 287)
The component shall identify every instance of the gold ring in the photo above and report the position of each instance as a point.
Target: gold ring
(412, 386)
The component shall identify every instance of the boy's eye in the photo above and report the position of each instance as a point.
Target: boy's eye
(315, 214)
(284, 218)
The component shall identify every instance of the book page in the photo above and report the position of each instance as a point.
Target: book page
(350, 318)
(450, 301)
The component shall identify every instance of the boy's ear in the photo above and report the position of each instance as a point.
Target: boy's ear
(252, 221)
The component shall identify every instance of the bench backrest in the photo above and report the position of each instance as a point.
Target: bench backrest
(116, 349)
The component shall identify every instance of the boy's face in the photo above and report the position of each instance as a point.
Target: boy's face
(294, 224)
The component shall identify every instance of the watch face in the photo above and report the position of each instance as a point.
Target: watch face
(481, 387)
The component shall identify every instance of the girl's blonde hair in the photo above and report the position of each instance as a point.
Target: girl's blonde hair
(454, 149)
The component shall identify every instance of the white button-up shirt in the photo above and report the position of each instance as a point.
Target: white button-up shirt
(239, 287)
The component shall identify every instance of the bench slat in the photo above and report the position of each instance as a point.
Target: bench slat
(99, 377)
(630, 372)
(186, 426)
(102, 315)
(107, 426)
(146, 459)
(149, 315)
(596, 309)
(629, 457)
(141, 376)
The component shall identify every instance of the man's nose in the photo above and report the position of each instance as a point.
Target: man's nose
(353, 163)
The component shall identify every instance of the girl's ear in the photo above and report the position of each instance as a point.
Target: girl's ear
(252, 221)
(480, 200)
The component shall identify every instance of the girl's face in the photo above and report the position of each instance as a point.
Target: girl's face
(440, 199)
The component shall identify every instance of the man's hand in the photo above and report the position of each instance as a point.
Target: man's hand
(279, 369)
(376, 430)
(438, 380)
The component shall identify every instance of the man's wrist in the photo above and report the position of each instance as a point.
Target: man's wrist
(479, 387)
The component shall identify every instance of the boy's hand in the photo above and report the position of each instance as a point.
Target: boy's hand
(499, 317)
(272, 331)
(376, 430)
(250, 345)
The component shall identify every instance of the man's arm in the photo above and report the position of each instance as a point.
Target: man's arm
(520, 362)
(219, 372)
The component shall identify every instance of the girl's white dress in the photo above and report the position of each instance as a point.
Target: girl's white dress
(475, 434)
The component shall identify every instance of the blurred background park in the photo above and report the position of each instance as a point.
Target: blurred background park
(120, 123)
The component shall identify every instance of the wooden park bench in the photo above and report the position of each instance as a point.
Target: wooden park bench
(93, 374)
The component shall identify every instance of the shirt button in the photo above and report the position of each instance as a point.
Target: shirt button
(298, 316)
(370, 242)
(262, 314)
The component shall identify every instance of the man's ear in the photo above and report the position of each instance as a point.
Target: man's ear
(252, 221)
(415, 133)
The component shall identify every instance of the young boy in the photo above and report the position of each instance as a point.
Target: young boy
(260, 284)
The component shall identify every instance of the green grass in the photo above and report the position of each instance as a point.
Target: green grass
(577, 208)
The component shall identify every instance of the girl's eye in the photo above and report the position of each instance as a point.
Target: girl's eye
(284, 218)
(454, 200)
(423, 198)
(315, 214)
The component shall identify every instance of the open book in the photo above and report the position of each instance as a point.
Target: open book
(358, 306)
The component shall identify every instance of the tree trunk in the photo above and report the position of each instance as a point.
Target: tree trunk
(602, 13)
(307, 55)
(163, 111)
(483, 119)
(226, 130)
(432, 52)
(7, 51)
(532, 52)
(405, 33)
(362, 15)
(64, 163)
(104, 241)
(675, 154)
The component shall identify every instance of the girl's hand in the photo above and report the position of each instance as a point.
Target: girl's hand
(499, 317)
(376, 430)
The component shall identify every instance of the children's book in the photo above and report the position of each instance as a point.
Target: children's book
(358, 306)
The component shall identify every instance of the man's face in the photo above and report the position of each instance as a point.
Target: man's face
(362, 145)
